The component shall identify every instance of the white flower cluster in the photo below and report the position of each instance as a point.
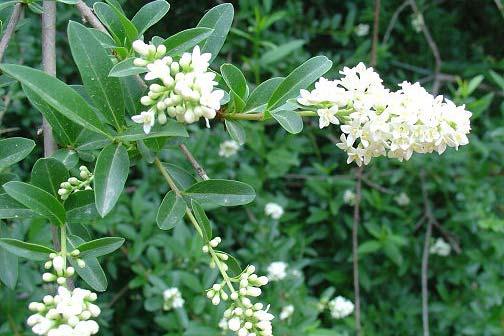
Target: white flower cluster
(273, 210)
(277, 271)
(184, 88)
(286, 312)
(68, 313)
(440, 248)
(362, 29)
(73, 184)
(402, 199)
(172, 299)
(340, 307)
(228, 148)
(376, 122)
(244, 317)
(349, 197)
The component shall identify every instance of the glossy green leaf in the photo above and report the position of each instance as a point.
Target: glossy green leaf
(8, 263)
(10, 208)
(235, 80)
(100, 247)
(111, 172)
(171, 211)
(149, 15)
(13, 150)
(126, 68)
(236, 131)
(221, 192)
(186, 40)
(203, 221)
(26, 250)
(280, 52)
(183, 179)
(300, 78)
(47, 174)
(134, 88)
(38, 200)
(58, 95)
(121, 29)
(94, 65)
(220, 19)
(258, 99)
(92, 273)
(68, 157)
(170, 129)
(289, 120)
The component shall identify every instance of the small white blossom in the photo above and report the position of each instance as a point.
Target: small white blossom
(340, 307)
(277, 271)
(273, 210)
(228, 148)
(286, 312)
(440, 248)
(402, 199)
(362, 29)
(147, 118)
(172, 299)
(349, 197)
(417, 23)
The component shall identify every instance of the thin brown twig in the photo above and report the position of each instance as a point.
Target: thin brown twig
(355, 247)
(89, 17)
(11, 27)
(197, 167)
(393, 21)
(425, 255)
(376, 27)
(432, 45)
(376, 186)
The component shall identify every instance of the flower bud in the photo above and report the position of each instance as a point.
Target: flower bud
(216, 300)
(140, 47)
(140, 62)
(234, 296)
(49, 277)
(160, 51)
(48, 265)
(146, 101)
(75, 253)
(81, 263)
(58, 264)
(70, 271)
(205, 249)
(62, 192)
(94, 309)
(174, 68)
(61, 281)
(162, 118)
(73, 181)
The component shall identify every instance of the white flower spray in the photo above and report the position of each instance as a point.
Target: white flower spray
(273, 210)
(228, 148)
(277, 271)
(376, 122)
(172, 299)
(440, 248)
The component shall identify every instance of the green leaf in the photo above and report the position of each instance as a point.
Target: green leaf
(8, 4)
(149, 15)
(64, 129)
(221, 192)
(497, 79)
(236, 131)
(126, 68)
(13, 150)
(10, 208)
(8, 263)
(186, 39)
(480, 105)
(58, 95)
(121, 29)
(100, 247)
(219, 18)
(38, 200)
(183, 179)
(258, 99)
(300, 78)
(203, 221)
(26, 250)
(94, 66)
(47, 174)
(171, 211)
(92, 273)
(134, 88)
(68, 157)
(235, 80)
(104, 38)
(280, 52)
(369, 246)
(170, 129)
(289, 120)
(111, 172)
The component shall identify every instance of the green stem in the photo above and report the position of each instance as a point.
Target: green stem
(194, 221)
(260, 116)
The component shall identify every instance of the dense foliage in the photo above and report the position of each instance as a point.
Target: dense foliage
(306, 174)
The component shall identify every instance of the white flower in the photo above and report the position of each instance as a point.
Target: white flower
(417, 22)
(328, 116)
(172, 299)
(340, 307)
(441, 248)
(349, 197)
(286, 312)
(273, 210)
(228, 148)
(147, 118)
(362, 29)
(402, 199)
(277, 271)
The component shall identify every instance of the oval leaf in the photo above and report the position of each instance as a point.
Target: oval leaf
(203, 221)
(40, 201)
(111, 172)
(13, 150)
(261, 94)
(47, 174)
(149, 15)
(10, 208)
(26, 250)
(171, 211)
(8, 263)
(221, 192)
(219, 18)
(100, 247)
(126, 68)
(289, 120)
(186, 39)
(236, 131)
(92, 273)
(235, 80)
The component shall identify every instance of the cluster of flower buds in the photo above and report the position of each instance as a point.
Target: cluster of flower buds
(73, 184)
(172, 299)
(340, 307)
(59, 271)
(69, 313)
(244, 317)
(184, 88)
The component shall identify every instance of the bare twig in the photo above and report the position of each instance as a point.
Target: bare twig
(11, 27)
(88, 16)
(376, 27)
(432, 45)
(393, 21)
(425, 256)
(355, 246)
(197, 167)
(376, 186)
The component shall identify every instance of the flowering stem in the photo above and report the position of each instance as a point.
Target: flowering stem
(261, 116)
(194, 221)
